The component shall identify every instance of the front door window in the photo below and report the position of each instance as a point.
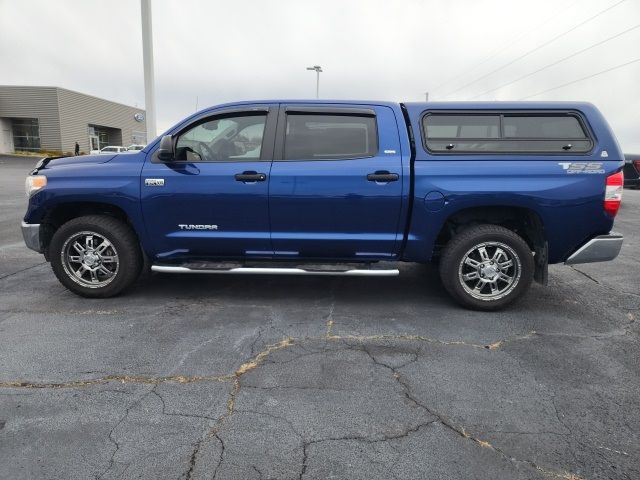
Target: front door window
(223, 140)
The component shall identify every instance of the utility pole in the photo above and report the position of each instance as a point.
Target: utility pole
(426, 96)
(317, 69)
(147, 61)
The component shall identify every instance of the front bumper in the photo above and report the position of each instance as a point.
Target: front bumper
(31, 235)
(599, 249)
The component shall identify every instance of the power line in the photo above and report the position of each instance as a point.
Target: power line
(510, 45)
(557, 62)
(581, 79)
(544, 44)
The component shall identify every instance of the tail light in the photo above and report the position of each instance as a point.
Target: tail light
(613, 193)
(636, 163)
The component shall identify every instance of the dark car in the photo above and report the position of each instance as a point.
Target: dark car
(631, 170)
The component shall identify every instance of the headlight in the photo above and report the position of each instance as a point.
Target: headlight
(34, 183)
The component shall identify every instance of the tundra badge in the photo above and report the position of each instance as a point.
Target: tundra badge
(183, 226)
(154, 182)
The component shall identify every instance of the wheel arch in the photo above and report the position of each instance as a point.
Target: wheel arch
(521, 220)
(61, 213)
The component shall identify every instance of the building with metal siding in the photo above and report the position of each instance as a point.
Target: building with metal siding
(54, 119)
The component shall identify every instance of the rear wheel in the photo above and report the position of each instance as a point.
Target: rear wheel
(486, 267)
(95, 256)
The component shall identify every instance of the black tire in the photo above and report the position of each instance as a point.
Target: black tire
(123, 255)
(466, 247)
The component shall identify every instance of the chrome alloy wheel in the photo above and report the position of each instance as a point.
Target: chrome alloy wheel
(89, 259)
(489, 271)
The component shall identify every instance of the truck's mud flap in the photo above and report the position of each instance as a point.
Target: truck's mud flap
(541, 274)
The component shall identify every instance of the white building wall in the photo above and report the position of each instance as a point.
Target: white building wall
(78, 111)
(6, 136)
(64, 116)
(34, 102)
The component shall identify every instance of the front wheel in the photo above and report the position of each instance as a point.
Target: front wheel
(486, 267)
(95, 256)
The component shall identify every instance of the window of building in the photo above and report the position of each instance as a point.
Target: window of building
(26, 134)
(138, 137)
(223, 139)
(103, 138)
(320, 136)
(505, 133)
(100, 137)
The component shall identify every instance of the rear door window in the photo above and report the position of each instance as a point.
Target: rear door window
(506, 132)
(326, 137)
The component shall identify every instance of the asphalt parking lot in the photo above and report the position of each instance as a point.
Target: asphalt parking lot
(300, 377)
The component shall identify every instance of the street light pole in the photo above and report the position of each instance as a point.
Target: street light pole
(317, 69)
(147, 61)
(426, 96)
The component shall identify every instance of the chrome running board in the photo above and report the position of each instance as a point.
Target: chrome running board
(353, 272)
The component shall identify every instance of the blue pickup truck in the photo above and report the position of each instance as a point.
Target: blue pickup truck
(491, 192)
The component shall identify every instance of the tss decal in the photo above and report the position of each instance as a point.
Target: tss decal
(582, 167)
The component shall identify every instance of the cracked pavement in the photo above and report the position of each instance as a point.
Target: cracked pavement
(201, 377)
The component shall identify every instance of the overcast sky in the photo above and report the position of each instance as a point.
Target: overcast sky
(221, 51)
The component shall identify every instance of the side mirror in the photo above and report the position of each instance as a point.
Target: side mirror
(165, 152)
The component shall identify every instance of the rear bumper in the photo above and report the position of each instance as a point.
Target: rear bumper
(31, 235)
(599, 249)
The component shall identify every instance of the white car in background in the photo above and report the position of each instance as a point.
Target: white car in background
(135, 148)
(109, 150)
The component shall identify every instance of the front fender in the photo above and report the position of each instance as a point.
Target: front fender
(106, 183)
